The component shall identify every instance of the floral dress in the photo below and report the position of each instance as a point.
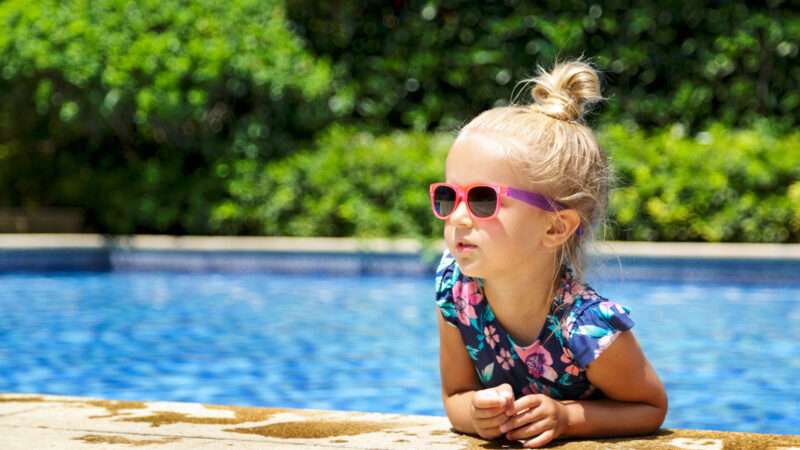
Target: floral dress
(580, 325)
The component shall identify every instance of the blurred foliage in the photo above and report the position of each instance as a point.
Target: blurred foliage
(435, 64)
(330, 118)
(720, 185)
(352, 183)
(123, 108)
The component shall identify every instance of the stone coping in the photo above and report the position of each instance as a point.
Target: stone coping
(658, 250)
(207, 243)
(45, 421)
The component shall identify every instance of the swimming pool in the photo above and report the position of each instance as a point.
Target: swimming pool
(727, 352)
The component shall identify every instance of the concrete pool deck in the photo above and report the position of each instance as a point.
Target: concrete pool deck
(377, 245)
(55, 422)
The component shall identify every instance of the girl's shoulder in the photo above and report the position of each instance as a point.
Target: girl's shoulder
(590, 322)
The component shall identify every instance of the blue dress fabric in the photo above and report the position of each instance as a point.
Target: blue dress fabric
(579, 327)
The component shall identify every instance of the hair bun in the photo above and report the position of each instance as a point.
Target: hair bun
(565, 92)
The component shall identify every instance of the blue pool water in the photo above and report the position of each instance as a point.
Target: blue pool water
(729, 354)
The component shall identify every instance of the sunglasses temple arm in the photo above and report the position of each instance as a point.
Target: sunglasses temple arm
(538, 200)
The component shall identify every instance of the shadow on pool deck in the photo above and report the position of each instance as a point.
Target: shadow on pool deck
(45, 421)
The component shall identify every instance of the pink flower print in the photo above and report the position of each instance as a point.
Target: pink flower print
(571, 369)
(505, 359)
(536, 389)
(538, 361)
(581, 290)
(589, 294)
(566, 357)
(465, 296)
(491, 335)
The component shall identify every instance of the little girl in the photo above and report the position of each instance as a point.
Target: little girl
(527, 349)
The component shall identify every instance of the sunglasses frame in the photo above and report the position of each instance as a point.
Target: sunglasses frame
(462, 194)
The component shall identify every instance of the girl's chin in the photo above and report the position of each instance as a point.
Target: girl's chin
(470, 267)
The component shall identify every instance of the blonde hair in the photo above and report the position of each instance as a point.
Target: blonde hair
(555, 149)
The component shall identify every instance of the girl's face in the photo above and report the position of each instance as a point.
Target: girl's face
(508, 243)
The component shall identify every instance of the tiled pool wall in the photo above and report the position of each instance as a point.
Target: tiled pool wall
(767, 263)
(112, 259)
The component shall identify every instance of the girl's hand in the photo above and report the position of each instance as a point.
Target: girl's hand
(490, 409)
(535, 415)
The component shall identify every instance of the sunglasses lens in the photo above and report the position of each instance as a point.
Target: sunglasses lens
(444, 200)
(482, 201)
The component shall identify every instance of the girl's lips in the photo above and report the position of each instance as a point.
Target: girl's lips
(465, 247)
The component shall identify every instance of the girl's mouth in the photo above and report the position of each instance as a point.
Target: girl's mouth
(465, 247)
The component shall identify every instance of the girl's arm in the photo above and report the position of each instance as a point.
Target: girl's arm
(636, 402)
(470, 408)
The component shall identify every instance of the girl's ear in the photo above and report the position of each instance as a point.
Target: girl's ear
(564, 224)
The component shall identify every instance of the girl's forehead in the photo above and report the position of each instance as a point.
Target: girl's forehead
(477, 157)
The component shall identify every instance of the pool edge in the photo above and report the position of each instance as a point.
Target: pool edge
(9, 241)
(619, 261)
(38, 421)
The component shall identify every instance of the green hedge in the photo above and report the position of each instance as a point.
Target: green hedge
(123, 108)
(432, 64)
(159, 116)
(720, 185)
(352, 184)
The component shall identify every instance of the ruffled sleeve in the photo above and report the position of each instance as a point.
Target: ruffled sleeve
(596, 326)
(446, 276)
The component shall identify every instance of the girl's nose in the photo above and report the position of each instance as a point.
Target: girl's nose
(461, 216)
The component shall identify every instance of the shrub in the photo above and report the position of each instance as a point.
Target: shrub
(719, 185)
(433, 64)
(122, 107)
(352, 183)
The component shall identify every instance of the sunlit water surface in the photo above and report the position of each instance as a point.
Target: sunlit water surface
(729, 354)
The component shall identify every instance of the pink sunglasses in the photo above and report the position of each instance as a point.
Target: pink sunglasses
(483, 200)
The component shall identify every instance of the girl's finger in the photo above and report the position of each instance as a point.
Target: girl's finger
(492, 422)
(485, 413)
(526, 402)
(488, 398)
(540, 440)
(507, 393)
(524, 418)
(530, 430)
